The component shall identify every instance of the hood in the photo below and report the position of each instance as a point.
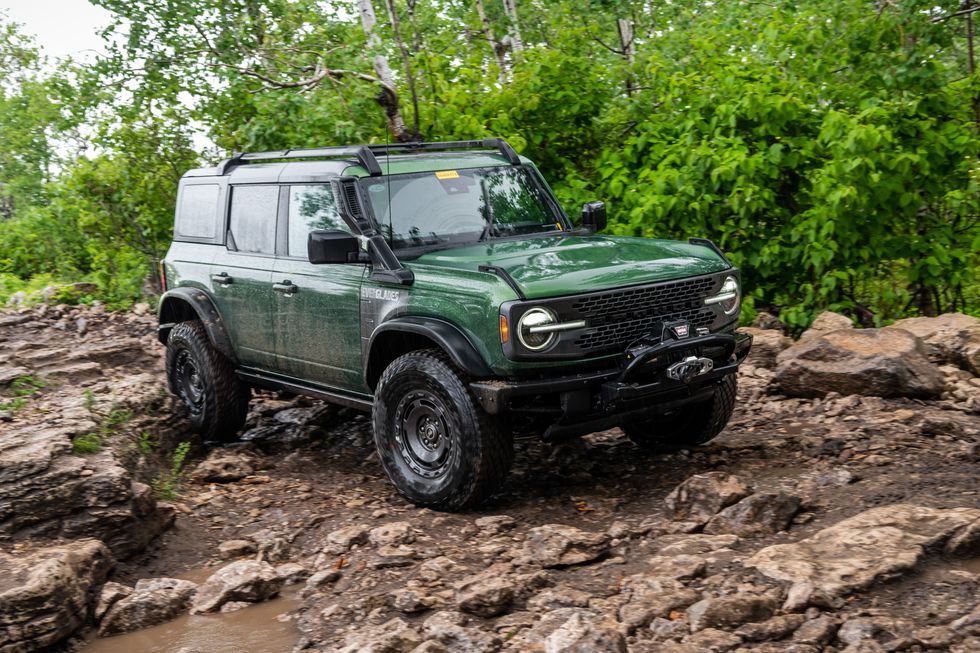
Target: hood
(550, 266)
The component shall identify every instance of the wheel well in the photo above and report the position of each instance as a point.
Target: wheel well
(390, 345)
(175, 309)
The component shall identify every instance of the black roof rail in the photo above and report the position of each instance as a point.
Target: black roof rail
(365, 154)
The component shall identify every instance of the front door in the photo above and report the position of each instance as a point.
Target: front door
(241, 274)
(317, 307)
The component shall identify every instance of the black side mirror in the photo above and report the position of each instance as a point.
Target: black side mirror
(332, 246)
(594, 216)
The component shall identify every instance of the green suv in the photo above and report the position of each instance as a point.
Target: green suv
(440, 287)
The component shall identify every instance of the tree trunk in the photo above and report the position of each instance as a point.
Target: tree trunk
(499, 49)
(516, 46)
(407, 62)
(625, 29)
(387, 97)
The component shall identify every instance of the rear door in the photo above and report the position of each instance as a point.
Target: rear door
(241, 273)
(318, 306)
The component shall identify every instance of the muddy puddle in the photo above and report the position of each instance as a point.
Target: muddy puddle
(259, 628)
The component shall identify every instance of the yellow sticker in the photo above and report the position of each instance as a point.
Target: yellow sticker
(447, 174)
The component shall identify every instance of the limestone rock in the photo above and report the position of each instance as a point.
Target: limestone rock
(486, 594)
(826, 322)
(392, 534)
(950, 338)
(394, 636)
(853, 553)
(559, 597)
(44, 595)
(652, 597)
(235, 549)
(153, 601)
(581, 633)
(700, 497)
(558, 545)
(757, 514)
(108, 595)
(346, 537)
(766, 345)
(449, 630)
(712, 640)
(245, 580)
(817, 631)
(774, 628)
(729, 611)
(677, 567)
(872, 362)
(223, 466)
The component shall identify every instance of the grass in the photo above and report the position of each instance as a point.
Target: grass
(22, 387)
(166, 484)
(86, 444)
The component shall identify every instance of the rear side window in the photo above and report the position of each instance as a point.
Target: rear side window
(253, 218)
(311, 208)
(198, 210)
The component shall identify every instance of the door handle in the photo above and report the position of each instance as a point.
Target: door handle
(222, 279)
(287, 288)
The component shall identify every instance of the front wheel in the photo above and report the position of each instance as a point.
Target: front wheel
(205, 381)
(439, 448)
(689, 426)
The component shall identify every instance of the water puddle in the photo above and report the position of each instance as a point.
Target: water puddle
(255, 629)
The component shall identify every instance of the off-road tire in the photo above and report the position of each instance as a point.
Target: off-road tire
(218, 412)
(423, 390)
(689, 426)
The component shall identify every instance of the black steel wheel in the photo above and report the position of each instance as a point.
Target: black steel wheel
(439, 448)
(205, 382)
(688, 427)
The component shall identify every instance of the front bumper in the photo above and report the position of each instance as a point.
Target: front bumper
(640, 387)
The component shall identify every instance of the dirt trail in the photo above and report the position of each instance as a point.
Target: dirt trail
(309, 489)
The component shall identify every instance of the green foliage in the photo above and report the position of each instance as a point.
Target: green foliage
(167, 483)
(146, 444)
(829, 146)
(21, 389)
(86, 443)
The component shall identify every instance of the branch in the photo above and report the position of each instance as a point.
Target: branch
(961, 12)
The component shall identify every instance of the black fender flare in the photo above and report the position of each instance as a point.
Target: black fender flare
(172, 311)
(448, 336)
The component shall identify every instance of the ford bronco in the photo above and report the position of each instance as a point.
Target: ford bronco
(441, 287)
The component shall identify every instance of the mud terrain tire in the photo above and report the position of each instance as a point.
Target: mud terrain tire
(688, 427)
(439, 448)
(205, 382)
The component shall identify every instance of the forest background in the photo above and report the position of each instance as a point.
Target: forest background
(830, 147)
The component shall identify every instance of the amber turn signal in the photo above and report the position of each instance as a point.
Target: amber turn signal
(504, 330)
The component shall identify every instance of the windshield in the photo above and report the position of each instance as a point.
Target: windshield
(455, 207)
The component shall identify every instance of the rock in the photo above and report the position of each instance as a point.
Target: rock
(651, 597)
(712, 640)
(826, 322)
(558, 545)
(774, 628)
(874, 362)
(223, 466)
(410, 600)
(700, 497)
(853, 631)
(346, 537)
(245, 580)
(667, 629)
(44, 595)
(950, 338)
(321, 579)
(486, 594)
(559, 597)
(766, 345)
(110, 593)
(965, 542)
(678, 567)
(235, 549)
(696, 544)
(817, 631)
(292, 572)
(968, 623)
(394, 636)
(48, 493)
(10, 374)
(729, 611)
(853, 553)
(757, 514)
(767, 321)
(581, 634)
(495, 524)
(448, 629)
(153, 601)
(392, 534)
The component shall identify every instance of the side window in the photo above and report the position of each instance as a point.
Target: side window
(253, 218)
(310, 208)
(198, 211)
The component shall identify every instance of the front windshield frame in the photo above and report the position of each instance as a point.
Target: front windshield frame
(541, 188)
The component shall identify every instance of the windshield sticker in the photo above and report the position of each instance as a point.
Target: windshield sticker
(447, 174)
(383, 294)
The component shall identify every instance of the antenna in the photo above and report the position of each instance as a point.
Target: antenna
(391, 228)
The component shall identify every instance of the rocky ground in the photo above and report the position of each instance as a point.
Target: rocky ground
(839, 511)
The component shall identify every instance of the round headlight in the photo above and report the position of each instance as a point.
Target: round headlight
(730, 287)
(536, 317)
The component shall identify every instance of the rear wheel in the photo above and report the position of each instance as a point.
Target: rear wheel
(439, 448)
(205, 381)
(689, 426)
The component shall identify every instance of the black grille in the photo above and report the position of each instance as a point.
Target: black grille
(618, 317)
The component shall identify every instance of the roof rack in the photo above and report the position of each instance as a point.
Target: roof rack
(365, 154)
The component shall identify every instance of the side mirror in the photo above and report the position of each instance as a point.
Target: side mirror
(332, 246)
(594, 216)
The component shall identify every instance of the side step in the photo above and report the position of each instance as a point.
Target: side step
(332, 396)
